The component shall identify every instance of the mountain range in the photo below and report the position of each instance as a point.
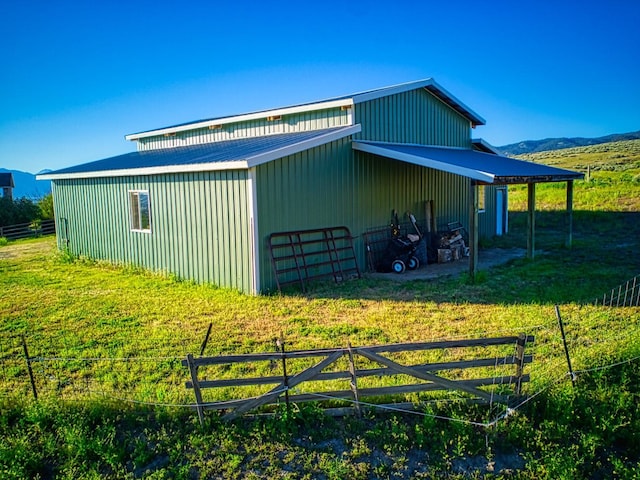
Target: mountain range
(534, 146)
(26, 184)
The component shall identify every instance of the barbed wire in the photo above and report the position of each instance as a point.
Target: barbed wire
(546, 346)
(103, 359)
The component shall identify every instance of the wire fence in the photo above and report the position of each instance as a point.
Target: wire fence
(596, 337)
(626, 295)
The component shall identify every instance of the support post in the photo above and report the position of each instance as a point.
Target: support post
(206, 339)
(29, 369)
(285, 377)
(354, 382)
(566, 348)
(430, 221)
(193, 370)
(569, 213)
(520, 347)
(473, 230)
(531, 220)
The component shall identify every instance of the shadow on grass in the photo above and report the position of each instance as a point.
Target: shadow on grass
(604, 254)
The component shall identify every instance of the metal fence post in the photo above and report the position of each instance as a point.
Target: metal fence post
(29, 369)
(566, 348)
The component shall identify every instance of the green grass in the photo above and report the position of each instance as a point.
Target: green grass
(111, 339)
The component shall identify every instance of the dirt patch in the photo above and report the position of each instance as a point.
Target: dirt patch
(28, 248)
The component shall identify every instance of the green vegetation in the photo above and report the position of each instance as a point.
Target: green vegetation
(110, 340)
(612, 178)
(24, 210)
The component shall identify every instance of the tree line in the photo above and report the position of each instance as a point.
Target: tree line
(25, 210)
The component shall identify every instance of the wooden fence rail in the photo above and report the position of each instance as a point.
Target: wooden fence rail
(429, 374)
(26, 230)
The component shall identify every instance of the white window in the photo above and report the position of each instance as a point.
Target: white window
(140, 209)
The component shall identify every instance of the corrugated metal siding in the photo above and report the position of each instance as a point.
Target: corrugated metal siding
(312, 189)
(412, 117)
(307, 121)
(386, 184)
(487, 220)
(199, 224)
(333, 186)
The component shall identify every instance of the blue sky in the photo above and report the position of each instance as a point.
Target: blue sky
(76, 77)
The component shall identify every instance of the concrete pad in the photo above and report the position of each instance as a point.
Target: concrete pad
(487, 258)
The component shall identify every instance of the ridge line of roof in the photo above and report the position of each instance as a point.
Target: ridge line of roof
(345, 100)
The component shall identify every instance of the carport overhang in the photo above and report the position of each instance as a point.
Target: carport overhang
(482, 168)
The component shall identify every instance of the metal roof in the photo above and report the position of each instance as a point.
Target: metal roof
(479, 166)
(483, 146)
(232, 154)
(428, 84)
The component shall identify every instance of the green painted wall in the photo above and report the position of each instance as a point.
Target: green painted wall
(333, 186)
(300, 122)
(412, 117)
(200, 224)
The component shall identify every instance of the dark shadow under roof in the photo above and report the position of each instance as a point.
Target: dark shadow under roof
(480, 166)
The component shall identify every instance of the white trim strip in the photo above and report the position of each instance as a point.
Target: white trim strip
(245, 117)
(301, 146)
(443, 96)
(453, 102)
(253, 225)
(195, 167)
(392, 90)
(205, 166)
(424, 161)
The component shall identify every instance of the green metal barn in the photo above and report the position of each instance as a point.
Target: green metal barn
(202, 200)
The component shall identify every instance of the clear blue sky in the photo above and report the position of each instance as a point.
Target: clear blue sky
(77, 76)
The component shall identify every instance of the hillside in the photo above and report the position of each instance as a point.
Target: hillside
(534, 146)
(612, 156)
(26, 185)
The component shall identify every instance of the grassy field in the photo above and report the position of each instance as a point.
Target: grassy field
(110, 340)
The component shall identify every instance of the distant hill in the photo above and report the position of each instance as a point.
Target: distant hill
(26, 185)
(534, 146)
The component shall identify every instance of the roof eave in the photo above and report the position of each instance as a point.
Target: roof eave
(343, 102)
(304, 145)
(432, 87)
(145, 171)
(483, 146)
(456, 104)
(513, 180)
(428, 84)
(236, 164)
(474, 174)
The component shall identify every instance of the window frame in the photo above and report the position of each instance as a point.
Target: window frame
(136, 214)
